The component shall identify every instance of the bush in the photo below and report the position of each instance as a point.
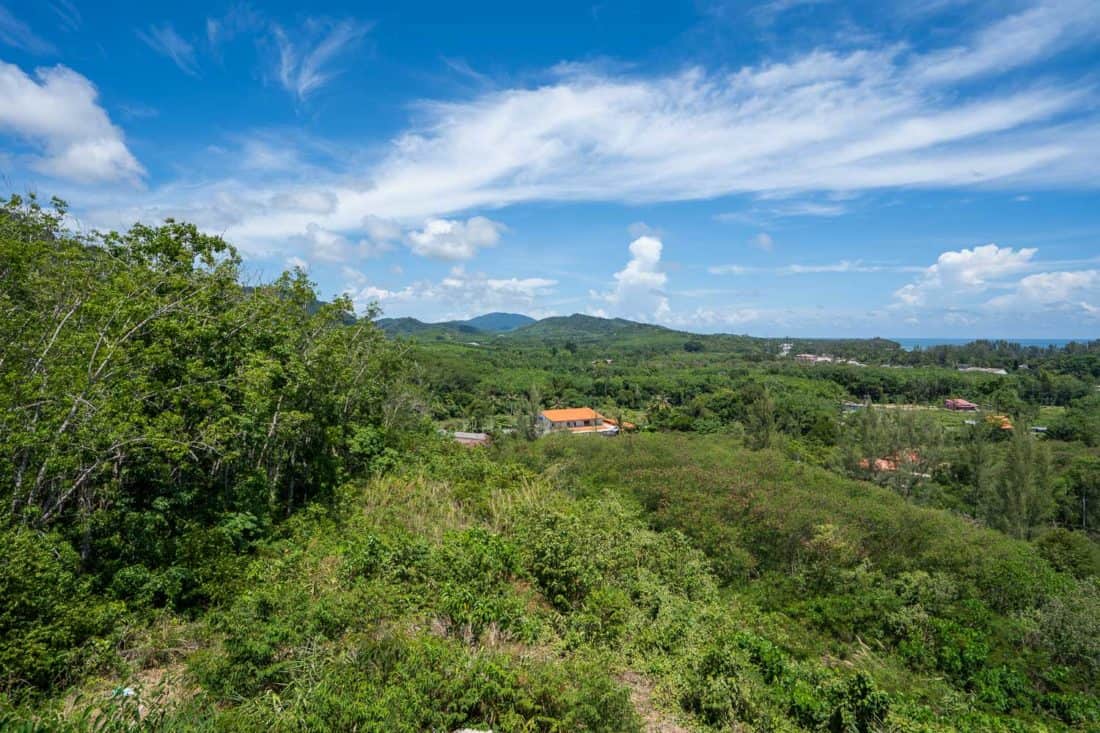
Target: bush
(51, 625)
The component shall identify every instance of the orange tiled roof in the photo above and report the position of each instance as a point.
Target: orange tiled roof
(570, 413)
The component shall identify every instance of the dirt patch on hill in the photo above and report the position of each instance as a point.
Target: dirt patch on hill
(654, 720)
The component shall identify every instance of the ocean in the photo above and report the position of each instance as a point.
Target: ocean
(912, 343)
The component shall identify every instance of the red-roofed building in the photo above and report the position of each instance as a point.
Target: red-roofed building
(579, 420)
(960, 405)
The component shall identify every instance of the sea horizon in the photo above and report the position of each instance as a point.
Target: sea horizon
(910, 343)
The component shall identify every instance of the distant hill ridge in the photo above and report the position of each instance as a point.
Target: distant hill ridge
(574, 326)
(490, 323)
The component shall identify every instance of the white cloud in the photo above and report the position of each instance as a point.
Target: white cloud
(329, 246)
(458, 295)
(1037, 31)
(170, 44)
(451, 239)
(1045, 290)
(314, 202)
(957, 289)
(964, 272)
(827, 121)
(298, 263)
(305, 66)
(59, 112)
(382, 230)
(638, 291)
(240, 18)
(259, 154)
(842, 266)
(730, 270)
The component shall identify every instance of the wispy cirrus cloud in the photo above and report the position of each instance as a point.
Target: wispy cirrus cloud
(842, 266)
(16, 33)
(67, 13)
(800, 135)
(1016, 40)
(307, 63)
(168, 43)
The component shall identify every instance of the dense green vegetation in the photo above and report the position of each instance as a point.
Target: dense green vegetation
(231, 508)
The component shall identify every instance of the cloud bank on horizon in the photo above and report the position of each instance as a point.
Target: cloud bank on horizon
(930, 169)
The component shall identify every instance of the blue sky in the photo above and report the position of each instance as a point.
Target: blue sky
(793, 167)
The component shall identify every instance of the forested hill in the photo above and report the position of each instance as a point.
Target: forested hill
(229, 508)
(490, 323)
(500, 322)
(611, 333)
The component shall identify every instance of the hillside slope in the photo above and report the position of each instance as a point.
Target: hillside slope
(499, 322)
(586, 328)
(573, 584)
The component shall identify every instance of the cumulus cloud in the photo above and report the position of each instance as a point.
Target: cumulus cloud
(964, 272)
(452, 239)
(59, 112)
(638, 291)
(330, 246)
(1052, 290)
(999, 285)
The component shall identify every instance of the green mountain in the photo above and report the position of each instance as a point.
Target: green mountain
(499, 322)
(417, 328)
(490, 323)
(582, 327)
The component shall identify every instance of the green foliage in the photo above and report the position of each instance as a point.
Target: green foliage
(256, 464)
(149, 399)
(53, 627)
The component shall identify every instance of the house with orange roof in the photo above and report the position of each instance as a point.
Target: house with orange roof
(578, 421)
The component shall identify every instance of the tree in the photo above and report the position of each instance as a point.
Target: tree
(531, 408)
(1082, 482)
(1024, 490)
(761, 417)
(145, 393)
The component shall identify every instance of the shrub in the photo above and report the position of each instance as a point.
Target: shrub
(51, 625)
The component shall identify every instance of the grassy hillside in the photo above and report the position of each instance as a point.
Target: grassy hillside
(617, 585)
(930, 605)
